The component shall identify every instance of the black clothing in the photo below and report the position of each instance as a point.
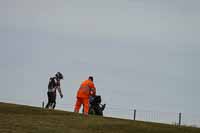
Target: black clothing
(53, 85)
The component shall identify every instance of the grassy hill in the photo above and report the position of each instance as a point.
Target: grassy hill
(26, 119)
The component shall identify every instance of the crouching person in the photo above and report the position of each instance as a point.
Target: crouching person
(96, 108)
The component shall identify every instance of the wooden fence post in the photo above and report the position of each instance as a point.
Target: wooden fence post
(179, 122)
(43, 104)
(134, 116)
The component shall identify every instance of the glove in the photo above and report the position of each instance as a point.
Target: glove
(61, 95)
(92, 92)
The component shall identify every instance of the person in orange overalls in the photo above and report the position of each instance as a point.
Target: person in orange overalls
(86, 90)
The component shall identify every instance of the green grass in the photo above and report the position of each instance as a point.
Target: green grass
(26, 119)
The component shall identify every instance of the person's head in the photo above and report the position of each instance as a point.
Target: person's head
(59, 75)
(91, 78)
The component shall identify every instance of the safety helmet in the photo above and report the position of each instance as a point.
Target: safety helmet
(59, 75)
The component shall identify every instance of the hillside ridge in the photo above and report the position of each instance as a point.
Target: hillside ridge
(22, 119)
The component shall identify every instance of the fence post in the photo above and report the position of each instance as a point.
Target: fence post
(134, 116)
(179, 122)
(43, 104)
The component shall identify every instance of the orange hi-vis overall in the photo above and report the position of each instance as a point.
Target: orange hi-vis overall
(86, 89)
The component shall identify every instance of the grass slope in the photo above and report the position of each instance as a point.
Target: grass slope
(26, 119)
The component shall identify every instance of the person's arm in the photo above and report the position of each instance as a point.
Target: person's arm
(92, 89)
(59, 90)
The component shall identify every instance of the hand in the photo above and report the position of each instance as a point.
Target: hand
(61, 95)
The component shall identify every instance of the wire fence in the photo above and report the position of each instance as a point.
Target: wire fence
(174, 118)
(160, 117)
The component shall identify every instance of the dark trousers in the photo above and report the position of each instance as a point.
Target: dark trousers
(51, 100)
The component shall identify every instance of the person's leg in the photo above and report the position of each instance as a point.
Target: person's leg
(49, 99)
(53, 100)
(78, 105)
(86, 105)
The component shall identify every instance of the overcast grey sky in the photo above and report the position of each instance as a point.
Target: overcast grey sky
(143, 54)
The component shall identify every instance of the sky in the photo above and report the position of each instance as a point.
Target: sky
(143, 54)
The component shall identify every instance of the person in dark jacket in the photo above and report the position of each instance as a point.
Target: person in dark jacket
(53, 86)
